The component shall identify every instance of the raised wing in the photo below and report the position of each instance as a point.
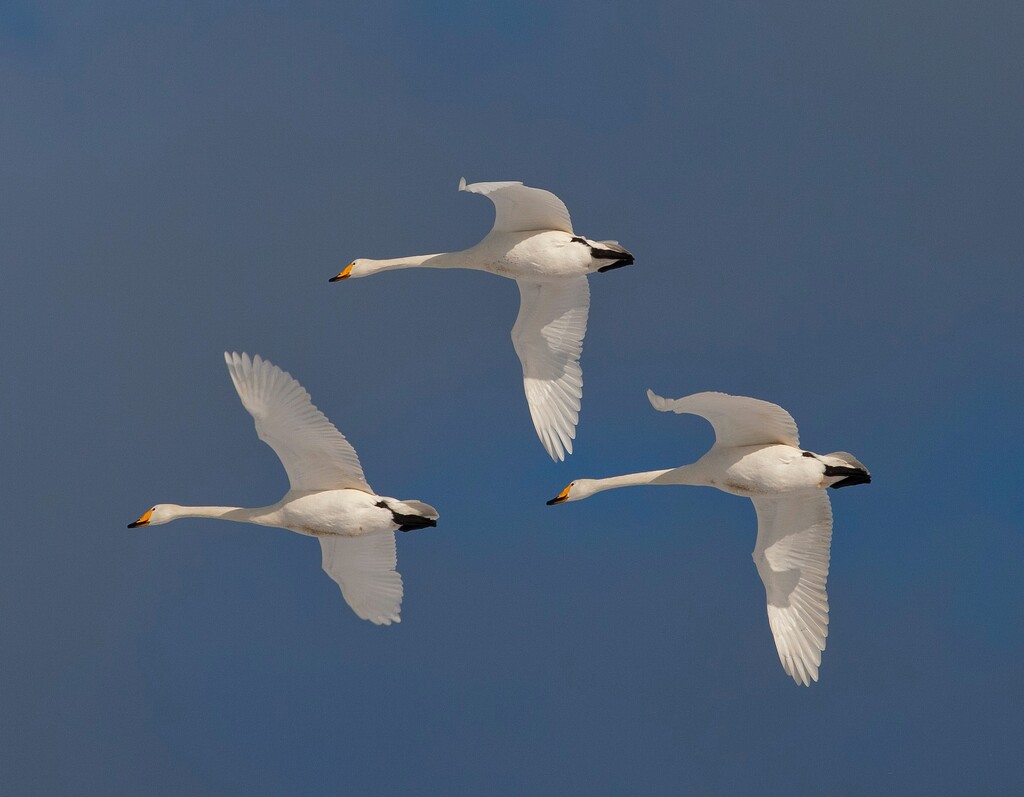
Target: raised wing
(548, 337)
(314, 453)
(519, 208)
(794, 531)
(364, 568)
(738, 420)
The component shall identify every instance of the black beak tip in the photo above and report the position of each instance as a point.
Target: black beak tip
(334, 279)
(133, 525)
(553, 501)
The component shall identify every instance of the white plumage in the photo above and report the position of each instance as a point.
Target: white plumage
(329, 497)
(756, 454)
(519, 208)
(532, 242)
(315, 455)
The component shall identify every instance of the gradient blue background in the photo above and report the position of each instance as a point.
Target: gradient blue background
(825, 208)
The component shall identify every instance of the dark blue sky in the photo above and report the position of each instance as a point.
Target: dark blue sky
(825, 207)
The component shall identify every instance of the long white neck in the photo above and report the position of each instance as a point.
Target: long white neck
(364, 267)
(237, 513)
(683, 475)
(626, 480)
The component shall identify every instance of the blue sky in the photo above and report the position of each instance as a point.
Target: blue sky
(824, 204)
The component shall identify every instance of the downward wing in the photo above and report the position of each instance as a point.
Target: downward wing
(738, 420)
(314, 453)
(364, 568)
(794, 531)
(519, 208)
(548, 337)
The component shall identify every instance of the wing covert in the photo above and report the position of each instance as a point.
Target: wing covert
(548, 337)
(314, 453)
(364, 568)
(519, 208)
(737, 420)
(794, 534)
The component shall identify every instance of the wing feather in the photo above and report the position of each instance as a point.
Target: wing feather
(548, 337)
(364, 568)
(737, 420)
(794, 534)
(314, 453)
(519, 208)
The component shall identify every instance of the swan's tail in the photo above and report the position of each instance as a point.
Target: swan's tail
(411, 515)
(847, 467)
(612, 251)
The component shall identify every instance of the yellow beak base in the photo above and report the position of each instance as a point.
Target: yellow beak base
(142, 521)
(561, 497)
(344, 274)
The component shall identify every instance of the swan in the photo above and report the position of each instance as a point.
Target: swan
(329, 497)
(532, 242)
(757, 454)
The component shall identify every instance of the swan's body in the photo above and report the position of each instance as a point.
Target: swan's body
(757, 454)
(533, 242)
(329, 497)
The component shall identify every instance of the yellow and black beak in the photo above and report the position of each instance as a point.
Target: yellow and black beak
(562, 497)
(142, 521)
(344, 274)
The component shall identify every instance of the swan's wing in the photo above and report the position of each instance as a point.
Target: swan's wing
(314, 453)
(364, 568)
(548, 337)
(738, 420)
(519, 208)
(794, 531)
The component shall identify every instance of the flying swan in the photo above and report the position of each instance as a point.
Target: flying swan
(757, 454)
(533, 242)
(329, 497)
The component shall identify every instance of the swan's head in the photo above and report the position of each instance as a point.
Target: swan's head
(346, 272)
(161, 513)
(575, 491)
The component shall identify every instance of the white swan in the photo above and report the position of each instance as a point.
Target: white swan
(329, 497)
(757, 454)
(532, 242)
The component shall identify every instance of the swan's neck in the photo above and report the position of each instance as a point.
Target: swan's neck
(687, 474)
(236, 513)
(627, 480)
(365, 266)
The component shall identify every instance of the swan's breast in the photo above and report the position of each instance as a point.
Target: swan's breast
(347, 513)
(541, 256)
(766, 470)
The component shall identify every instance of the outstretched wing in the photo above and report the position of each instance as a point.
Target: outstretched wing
(364, 568)
(738, 420)
(314, 453)
(794, 531)
(548, 337)
(519, 208)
